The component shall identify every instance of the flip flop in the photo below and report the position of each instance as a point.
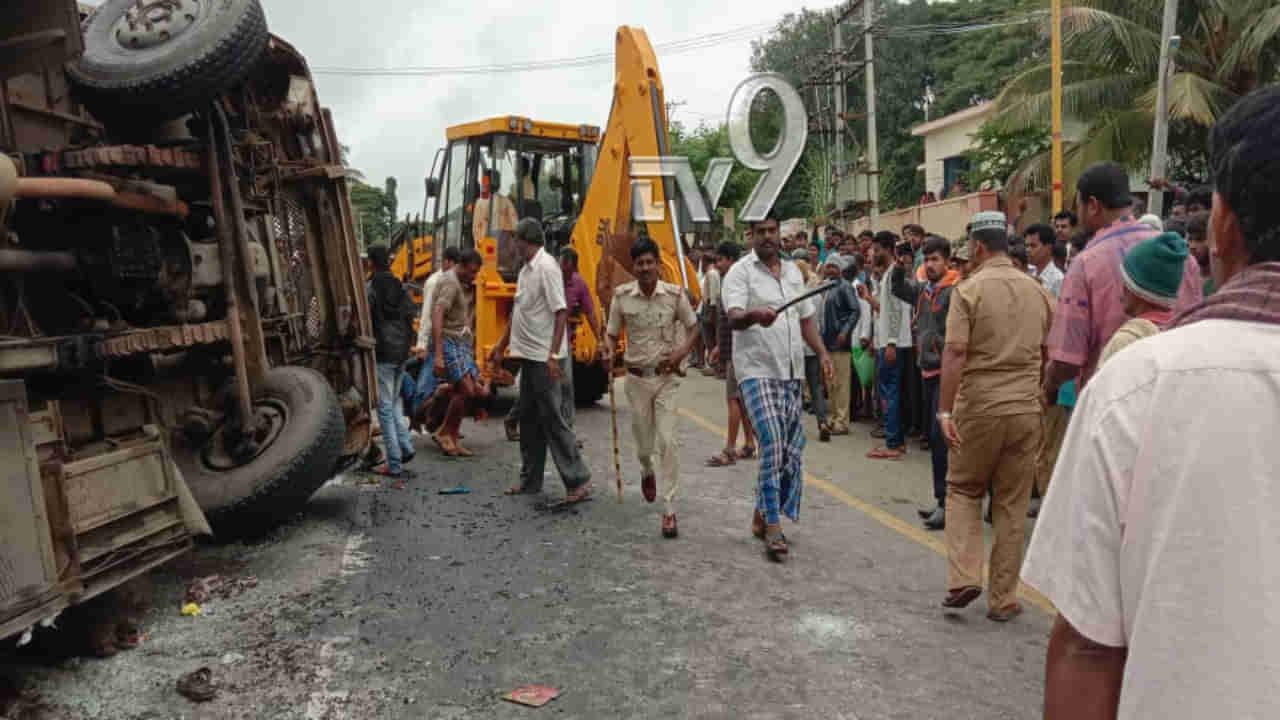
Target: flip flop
(579, 495)
(197, 686)
(724, 459)
(885, 454)
(775, 544)
(961, 597)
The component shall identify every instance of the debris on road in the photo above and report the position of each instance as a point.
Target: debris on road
(532, 695)
(191, 609)
(197, 685)
(215, 586)
(455, 491)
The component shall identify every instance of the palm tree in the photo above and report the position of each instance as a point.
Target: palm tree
(1111, 52)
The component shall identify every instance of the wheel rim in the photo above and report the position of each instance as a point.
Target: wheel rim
(272, 417)
(150, 23)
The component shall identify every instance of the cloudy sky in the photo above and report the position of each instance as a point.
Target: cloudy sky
(395, 124)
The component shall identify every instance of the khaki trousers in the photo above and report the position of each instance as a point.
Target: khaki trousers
(1001, 450)
(654, 411)
(838, 392)
(1055, 429)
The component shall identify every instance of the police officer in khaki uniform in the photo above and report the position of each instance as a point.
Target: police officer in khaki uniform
(653, 313)
(990, 411)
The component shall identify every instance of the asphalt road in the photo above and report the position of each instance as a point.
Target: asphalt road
(398, 602)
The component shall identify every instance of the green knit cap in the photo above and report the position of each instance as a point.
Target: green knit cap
(1153, 269)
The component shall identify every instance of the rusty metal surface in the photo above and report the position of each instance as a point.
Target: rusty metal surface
(27, 567)
(163, 338)
(132, 156)
(110, 486)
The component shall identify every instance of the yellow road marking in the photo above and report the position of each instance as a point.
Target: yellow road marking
(889, 520)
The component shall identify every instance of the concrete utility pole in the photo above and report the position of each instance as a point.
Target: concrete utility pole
(1160, 145)
(839, 108)
(873, 148)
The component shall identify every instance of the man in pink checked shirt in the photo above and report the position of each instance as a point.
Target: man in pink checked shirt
(1091, 304)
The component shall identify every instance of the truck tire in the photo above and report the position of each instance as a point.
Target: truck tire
(590, 383)
(298, 455)
(123, 79)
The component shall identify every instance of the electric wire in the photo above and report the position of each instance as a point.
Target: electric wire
(700, 42)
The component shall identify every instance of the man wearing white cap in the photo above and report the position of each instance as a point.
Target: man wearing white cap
(989, 410)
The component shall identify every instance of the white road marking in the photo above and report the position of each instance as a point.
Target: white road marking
(326, 703)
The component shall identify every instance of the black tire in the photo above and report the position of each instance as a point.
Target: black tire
(590, 383)
(255, 496)
(120, 84)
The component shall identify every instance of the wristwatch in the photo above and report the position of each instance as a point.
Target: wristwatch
(944, 416)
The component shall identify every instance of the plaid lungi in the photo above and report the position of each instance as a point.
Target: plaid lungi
(774, 407)
(459, 362)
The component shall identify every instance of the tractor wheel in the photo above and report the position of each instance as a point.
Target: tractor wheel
(157, 60)
(298, 443)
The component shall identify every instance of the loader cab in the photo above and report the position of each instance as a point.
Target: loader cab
(496, 172)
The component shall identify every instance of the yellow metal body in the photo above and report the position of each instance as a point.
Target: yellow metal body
(637, 128)
(1056, 91)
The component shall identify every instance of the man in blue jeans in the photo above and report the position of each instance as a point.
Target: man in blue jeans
(392, 312)
(932, 300)
(893, 333)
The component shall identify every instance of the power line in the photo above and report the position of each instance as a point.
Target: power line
(692, 44)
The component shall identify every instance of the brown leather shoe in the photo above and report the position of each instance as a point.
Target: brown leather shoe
(669, 529)
(1006, 614)
(649, 486)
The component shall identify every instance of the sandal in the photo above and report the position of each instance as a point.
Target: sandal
(885, 453)
(516, 490)
(724, 459)
(128, 636)
(748, 452)
(961, 597)
(197, 686)
(775, 544)
(577, 496)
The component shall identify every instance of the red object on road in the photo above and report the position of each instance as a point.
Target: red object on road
(532, 695)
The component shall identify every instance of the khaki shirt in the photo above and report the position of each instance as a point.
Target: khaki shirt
(1004, 315)
(653, 323)
(459, 305)
(507, 217)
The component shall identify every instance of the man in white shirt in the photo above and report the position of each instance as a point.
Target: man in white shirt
(1039, 241)
(893, 334)
(769, 362)
(1158, 543)
(536, 336)
(710, 313)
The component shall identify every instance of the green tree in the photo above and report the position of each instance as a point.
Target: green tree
(920, 56)
(704, 143)
(375, 210)
(1111, 54)
(999, 153)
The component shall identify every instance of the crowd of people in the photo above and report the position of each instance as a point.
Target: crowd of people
(1078, 363)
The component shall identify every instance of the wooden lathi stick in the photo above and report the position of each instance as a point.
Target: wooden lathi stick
(613, 415)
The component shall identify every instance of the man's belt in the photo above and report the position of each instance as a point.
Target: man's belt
(643, 372)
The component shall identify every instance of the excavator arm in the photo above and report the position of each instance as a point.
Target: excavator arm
(637, 127)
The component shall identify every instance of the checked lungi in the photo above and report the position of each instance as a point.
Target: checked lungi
(775, 407)
(459, 362)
